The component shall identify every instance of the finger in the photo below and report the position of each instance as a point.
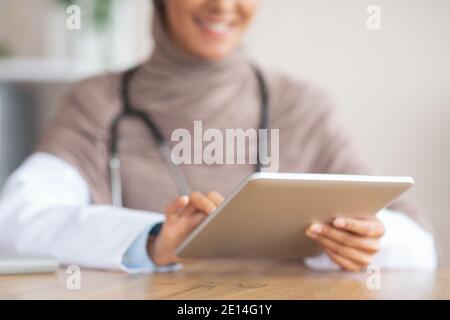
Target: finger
(365, 227)
(344, 263)
(370, 245)
(201, 202)
(188, 210)
(192, 221)
(176, 205)
(358, 257)
(215, 197)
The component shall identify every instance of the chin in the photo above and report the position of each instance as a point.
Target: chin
(214, 54)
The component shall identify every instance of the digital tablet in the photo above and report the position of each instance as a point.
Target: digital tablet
(267, 214)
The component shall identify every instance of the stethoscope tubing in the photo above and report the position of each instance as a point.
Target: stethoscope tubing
(164, 149)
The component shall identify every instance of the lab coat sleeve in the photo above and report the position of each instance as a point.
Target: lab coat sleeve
(136, 258)
(405, 245)
(45, 209)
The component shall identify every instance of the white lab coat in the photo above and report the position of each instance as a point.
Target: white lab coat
(46, 209)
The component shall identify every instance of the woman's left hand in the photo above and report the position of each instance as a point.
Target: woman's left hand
(350, 242)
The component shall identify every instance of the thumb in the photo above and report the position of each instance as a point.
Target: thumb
(177, 204)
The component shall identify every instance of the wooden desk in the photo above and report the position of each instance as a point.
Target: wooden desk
(230, 280)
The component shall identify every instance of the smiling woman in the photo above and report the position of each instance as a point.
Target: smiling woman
(208, 29)
(198, 71)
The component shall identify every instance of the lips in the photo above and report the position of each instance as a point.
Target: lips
(215, 28)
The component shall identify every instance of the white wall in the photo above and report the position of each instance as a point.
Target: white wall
(392, 84)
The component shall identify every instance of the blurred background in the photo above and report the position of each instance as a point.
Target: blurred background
(392, 85)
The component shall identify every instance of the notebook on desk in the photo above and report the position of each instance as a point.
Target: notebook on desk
(21, 264)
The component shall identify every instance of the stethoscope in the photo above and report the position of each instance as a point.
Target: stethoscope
(163, 146)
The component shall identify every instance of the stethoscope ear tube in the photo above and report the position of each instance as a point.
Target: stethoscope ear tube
(115, 165)
(263, 120)
(181, 182)
(116, 182)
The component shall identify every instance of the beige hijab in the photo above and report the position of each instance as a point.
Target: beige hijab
(176, 89)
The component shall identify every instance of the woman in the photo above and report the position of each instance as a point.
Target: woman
(59, 201)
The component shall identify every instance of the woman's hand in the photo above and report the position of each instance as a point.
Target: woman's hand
(183, 215)
(350, 243)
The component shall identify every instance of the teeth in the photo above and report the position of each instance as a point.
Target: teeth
(218, 27)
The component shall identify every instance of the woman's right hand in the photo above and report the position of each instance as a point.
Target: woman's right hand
(183, 215)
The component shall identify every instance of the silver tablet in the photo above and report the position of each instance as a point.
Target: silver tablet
(267, 214)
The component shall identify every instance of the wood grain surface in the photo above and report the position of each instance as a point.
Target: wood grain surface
(230, 280)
